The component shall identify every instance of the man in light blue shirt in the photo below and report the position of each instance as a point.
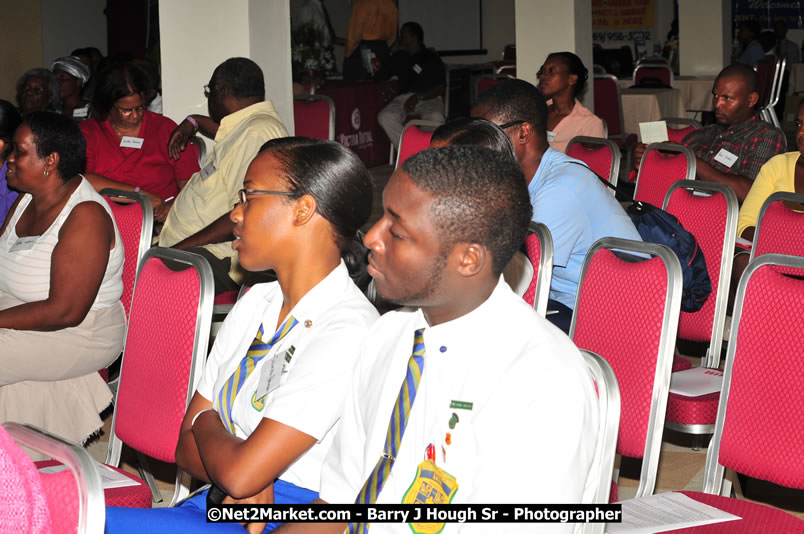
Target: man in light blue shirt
(566, 195)
(752, 51)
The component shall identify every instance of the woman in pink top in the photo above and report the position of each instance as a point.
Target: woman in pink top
(562, 78)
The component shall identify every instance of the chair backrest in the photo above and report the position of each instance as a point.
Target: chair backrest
(509, 70)
(643, 296)
(509, 52)
(602, 156)
(609, 104)
(74, 497)
(662, 165)
(487, 80)
(766, 73)
(708, 211)
(608, 396)
(201, 145)
(759, 429)
(135, 222)
(780, 230)
(653, 60)
(657, 71)
(677, 135)
(415, 137)
(314, 117)
(166, 343)
(539, 249)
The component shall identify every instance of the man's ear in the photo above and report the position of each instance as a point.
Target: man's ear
(52, 162)
(304, 209)
(753, 98)
(473, 258)
(525, 133)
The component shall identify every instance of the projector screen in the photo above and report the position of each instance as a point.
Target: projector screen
(452, 27)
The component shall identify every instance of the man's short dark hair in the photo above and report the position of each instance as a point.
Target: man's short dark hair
(743, 72)
(473, 131)
(241, 77)
(515, 100)
(415, 30)
(480, 197)
(752, 26)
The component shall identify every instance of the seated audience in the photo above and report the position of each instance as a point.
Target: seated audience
(72, 74)
(457, 420)
(419, 87)
(562, 79)
(732, 151)
(751, 51)
(9, 121)
(241, 120)
(91, 57)
(784, 172)
(566, 195)
(260, 436)
(127, 145)
(518, 272)
(61, 262)
(37, 90)
(372, 27)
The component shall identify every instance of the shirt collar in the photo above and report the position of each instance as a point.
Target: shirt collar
(231, 121)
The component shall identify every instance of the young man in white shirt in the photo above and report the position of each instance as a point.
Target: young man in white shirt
(503, 410)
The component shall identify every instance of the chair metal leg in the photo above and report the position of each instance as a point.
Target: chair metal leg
(145, 473)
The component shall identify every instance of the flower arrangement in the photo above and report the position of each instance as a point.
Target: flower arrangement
(311, 51)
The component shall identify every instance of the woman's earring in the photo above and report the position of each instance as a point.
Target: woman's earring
(47, 172)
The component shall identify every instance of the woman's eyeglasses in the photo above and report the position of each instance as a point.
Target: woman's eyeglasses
(244, 194)
(126, 112)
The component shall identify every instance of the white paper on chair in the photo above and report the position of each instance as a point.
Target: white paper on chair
(109, 477)
(665, 511)
(653, 132)
(696, 381)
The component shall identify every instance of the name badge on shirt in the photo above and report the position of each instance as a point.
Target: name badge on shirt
(270, 377)
(24, 243)
(131, 142)
(417, 69)
(551, 136)
(207, 171)
(81, 112)
(725, 157)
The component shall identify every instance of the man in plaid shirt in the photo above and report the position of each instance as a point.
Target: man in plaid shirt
(732, 151)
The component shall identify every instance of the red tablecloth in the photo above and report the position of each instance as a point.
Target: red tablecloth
(356, 126)
(755, 517)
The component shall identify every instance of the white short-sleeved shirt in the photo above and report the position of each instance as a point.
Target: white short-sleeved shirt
(529, 436)
(333, 319)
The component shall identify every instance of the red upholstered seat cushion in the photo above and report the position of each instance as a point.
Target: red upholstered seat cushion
(755, 517)
(138, 496)
(700, 410)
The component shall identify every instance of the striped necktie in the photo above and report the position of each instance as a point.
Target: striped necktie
(255, 353)
(396, 429)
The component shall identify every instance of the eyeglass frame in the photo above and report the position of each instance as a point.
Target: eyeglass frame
(243, 194)
(126, 112)
(512, 123)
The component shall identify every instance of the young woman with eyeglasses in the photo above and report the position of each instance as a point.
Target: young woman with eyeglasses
(127, 145)
(269, 403)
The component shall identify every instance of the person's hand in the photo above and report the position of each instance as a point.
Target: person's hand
(179, 139)
(410, 103)
(636, 157)
(266, 496)
(160, 207)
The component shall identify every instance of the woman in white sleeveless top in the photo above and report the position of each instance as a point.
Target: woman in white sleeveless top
(61, 261)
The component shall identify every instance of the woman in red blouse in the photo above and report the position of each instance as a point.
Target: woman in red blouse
(127, 145)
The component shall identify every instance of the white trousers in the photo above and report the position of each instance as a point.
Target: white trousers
(392, 116)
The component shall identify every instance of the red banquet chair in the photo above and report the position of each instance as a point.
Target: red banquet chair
(487, 80)
(415, 137)
(608, 396)
(314, 117)
(640, 350)
(166, 343)
(135, 222)
(539, 250)
(709, 212)
(609, 107)
(780, 229)
(662, 165)
(662, 74)
(601, 155)
(759, 430)
(687, 126)
(68, 500)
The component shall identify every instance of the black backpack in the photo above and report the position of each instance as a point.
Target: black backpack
(657, 226)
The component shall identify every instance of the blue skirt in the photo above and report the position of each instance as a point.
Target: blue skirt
(191, 516)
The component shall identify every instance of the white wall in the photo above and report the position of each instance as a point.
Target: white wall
(537, 35)
(198, 35)
(704, 36)
(70, 25)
